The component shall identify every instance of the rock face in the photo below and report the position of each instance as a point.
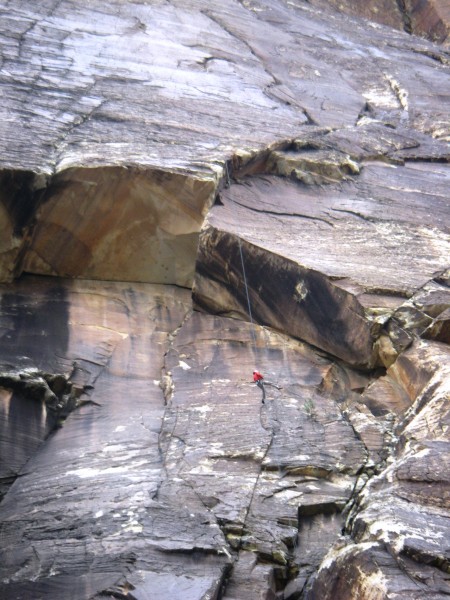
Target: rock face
(398, 532)
(335, 237)
(429, 19)
(214, 188)
(150, 486)
(117, 117)
(74, 542)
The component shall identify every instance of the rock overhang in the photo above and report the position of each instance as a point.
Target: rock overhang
(308, 247)
(176, 89)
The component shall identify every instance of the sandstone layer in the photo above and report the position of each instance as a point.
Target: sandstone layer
(117, 116)
(288, 161)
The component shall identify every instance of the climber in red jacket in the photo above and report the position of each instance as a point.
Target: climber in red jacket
(259, 380)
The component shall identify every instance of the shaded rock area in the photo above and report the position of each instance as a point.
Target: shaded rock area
(174, 476)
(93, 511)
(430, 19)
(32, 405)
(214, 188)
(172, 479)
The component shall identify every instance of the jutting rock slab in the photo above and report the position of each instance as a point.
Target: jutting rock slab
(321, 280)
(117, 117)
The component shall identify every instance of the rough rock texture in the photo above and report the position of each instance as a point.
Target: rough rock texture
(150, 486)
(399, 528)
(430, 19)
(116, 116)
(45, 398)
(285, 160)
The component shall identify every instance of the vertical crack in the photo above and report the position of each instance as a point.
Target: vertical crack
(406, 17)
(167, 386)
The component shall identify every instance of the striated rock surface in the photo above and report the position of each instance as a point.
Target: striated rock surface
(288, 161)
(172, 474)
(321, 279)
(94, 505)
(116, 117)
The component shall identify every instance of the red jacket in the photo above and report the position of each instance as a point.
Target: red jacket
(257, 376)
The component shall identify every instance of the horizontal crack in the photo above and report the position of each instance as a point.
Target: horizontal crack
(283, 214)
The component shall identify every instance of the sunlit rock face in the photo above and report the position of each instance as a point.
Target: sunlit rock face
(118, 118)
(288, 162)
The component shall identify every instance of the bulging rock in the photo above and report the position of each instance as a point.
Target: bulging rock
(399, 525)
(320, 281)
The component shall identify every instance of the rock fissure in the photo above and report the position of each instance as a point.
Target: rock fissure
(406, 17)
(281, 214)
(78, 122)
(218, 21)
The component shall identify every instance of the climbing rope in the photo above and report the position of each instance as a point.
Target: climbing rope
(259, 380)
(241, 254)
(272, 411)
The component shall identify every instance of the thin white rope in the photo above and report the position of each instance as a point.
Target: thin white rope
(274, 430)
(249, 306)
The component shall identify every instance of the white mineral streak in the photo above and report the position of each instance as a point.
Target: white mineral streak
(90, 473)
(381, 96)
(341, 553)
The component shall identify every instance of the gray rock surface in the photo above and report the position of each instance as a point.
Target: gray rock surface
(185, 143)
(174, 472)
(117, 118)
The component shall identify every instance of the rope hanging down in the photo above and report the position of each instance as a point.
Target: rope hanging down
(257, 377)
(249, 307)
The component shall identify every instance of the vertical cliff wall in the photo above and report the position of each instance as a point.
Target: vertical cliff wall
(187, 193)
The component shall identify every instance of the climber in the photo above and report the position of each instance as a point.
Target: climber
(259, 380)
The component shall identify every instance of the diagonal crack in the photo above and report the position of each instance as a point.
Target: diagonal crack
(275, 81)
(283, 214)
(406, 17)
